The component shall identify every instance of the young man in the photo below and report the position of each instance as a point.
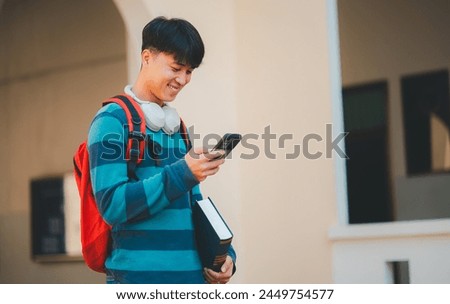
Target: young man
(151, 218)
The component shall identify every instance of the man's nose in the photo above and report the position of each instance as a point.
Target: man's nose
(182, 79)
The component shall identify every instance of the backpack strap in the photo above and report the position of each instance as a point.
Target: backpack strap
(185, 136)
(136, 131)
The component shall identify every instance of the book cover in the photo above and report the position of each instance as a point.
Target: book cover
(213, 235)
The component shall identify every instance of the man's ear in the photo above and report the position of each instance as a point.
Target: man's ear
(147, 56)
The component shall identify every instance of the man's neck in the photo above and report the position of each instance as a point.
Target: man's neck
(139, 89)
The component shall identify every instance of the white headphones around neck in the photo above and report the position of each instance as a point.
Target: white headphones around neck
(156, 117)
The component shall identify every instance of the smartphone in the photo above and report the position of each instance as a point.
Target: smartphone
(227, 143)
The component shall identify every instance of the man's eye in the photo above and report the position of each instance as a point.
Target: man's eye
(189, 72)
(175, 69)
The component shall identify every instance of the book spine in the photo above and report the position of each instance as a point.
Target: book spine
(221, 255)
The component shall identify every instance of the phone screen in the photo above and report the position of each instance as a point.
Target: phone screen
(227, 143)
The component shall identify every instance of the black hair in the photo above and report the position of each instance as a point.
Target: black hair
(174, 36)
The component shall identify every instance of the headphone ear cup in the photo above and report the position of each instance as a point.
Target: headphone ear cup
(154, 116)
(172, 120)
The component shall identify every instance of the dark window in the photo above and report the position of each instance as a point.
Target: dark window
(426, 118)
(369, 195)
(399, 272)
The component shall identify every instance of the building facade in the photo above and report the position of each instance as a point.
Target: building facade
(292, 76)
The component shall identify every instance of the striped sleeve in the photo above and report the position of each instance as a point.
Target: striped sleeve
(119, 199)
(196, 195)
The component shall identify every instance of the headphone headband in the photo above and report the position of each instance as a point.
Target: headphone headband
(156, 117)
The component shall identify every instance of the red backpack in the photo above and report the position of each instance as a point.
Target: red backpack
(95, 232)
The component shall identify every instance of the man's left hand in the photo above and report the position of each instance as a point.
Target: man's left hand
(221, 277)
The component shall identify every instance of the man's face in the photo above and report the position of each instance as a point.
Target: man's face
(165, 77)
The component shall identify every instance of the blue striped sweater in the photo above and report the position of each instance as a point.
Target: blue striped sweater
(152, 228)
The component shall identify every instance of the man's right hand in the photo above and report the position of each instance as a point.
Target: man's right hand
(201, 165)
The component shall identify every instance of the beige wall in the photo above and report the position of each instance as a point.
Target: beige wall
(283, 80)
(59, 60)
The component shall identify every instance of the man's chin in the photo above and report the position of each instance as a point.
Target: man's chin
(170, 98)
